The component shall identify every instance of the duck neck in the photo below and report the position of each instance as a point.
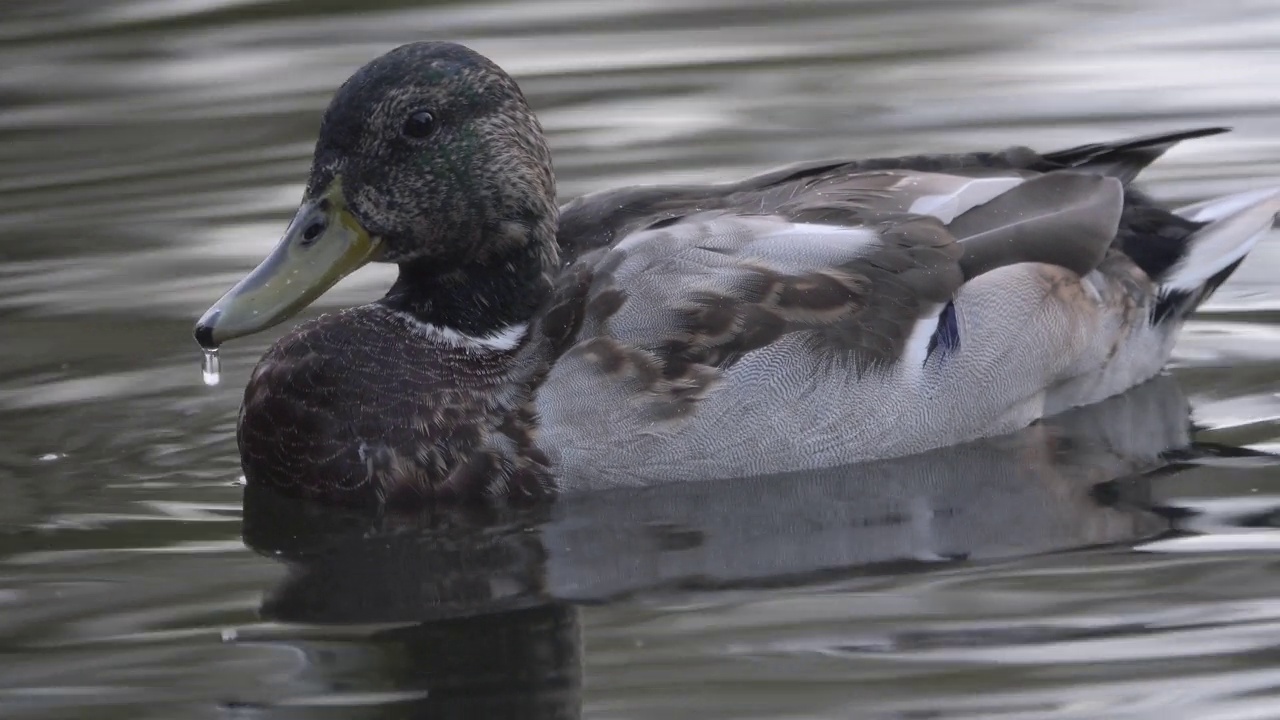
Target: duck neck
(483, 295)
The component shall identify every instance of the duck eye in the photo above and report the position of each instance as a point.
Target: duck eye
(419, 125)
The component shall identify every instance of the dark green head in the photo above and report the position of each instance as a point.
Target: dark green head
(428, 157)
(438, 153)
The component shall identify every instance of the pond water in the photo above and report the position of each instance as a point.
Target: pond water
(1095, 566)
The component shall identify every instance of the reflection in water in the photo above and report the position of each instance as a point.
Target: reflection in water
(517, 665)
(476, 601)
(460, 595)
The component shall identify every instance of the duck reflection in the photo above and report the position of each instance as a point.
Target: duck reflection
(475, 610)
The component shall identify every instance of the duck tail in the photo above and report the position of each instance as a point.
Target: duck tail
(1229, 228)
(1123, 159)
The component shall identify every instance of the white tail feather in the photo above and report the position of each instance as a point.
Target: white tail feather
(1236, 223)
(1220, 207)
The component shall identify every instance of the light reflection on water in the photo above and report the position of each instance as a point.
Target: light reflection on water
(150, 152)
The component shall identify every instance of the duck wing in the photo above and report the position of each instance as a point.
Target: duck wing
(745, 325)
(602, 218)
(838, 312)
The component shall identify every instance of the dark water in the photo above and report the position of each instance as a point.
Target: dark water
(150, 152)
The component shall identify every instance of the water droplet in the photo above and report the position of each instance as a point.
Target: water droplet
(211, 367)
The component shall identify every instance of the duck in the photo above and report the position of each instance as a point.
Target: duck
(822, 314)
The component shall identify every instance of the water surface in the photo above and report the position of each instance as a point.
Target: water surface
(152, 150)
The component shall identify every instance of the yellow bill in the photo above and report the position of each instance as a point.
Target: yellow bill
(323, 244)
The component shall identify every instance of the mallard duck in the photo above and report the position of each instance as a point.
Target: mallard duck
(812, 316)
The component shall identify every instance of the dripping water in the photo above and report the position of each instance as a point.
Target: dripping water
(211, 367)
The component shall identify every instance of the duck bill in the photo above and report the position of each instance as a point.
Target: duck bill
(323, 244)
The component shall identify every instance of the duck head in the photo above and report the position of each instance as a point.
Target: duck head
(430, 158)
